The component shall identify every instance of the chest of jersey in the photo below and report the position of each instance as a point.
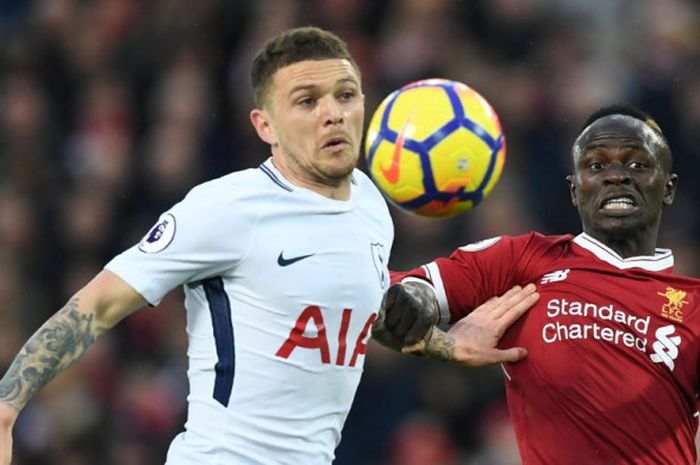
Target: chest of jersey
(332, 259)
(614, 329)
(611, 368)
(313, 287)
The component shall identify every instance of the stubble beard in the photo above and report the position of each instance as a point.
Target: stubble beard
(334, 172)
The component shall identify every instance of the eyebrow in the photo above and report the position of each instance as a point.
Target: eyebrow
(584, 150)
(592, 145)
(622, 146)
(303, 87)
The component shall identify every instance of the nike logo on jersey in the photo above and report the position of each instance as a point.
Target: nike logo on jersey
(281, 261)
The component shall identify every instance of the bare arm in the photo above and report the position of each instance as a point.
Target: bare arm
(64, 337)
(408, 314)
(473, 340)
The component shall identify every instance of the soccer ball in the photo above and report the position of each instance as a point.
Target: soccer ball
(435, 147)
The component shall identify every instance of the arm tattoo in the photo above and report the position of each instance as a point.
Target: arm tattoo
(439, 345)
(52, 349)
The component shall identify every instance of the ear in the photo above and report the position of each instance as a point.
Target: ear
(261, 122)
(572, 189)
(670, 188)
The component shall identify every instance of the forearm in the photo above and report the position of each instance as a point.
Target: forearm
(437, 345)
(54, 347)
(472, 340)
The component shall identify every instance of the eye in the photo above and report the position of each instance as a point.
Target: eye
(347, 95)
(637, 165)
(305, 102)
(595, 165)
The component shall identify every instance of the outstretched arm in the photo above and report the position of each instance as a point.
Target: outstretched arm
(60, 341)
(473, 340)
(408, 314)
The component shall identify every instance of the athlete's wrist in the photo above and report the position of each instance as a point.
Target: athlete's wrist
(437, 345)
(8, 415)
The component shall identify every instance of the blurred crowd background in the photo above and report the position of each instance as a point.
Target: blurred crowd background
(111, 110)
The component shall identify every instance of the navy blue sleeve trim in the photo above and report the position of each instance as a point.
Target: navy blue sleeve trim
(220, 308)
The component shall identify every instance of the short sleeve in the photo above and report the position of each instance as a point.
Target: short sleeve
(201, 236)
(476, 272)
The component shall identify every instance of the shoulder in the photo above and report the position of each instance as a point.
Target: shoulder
(538, 244)
(370, 198)
(539, 239)
(368, 191)
(222, 205)
(231, 186)
(533, 241)
(364, 182)
(245, 190)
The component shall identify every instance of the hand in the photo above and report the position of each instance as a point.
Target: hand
(408, 312)
(472, 340)
(8, 416)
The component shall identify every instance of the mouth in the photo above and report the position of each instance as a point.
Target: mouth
(335, 143)
(620, 204)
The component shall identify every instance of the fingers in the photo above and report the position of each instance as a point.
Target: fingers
(514, 297)
(517, 309)
(405, 322)
(495, 304)
(410, 312)
(399, 313)
(419, 329)
(513, 291)
(395, 318)
(514, 354)
(416, 348)
(392, 305)
(388, 301)
(494, 356)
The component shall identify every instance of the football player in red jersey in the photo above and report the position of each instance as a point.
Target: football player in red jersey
(613, 343)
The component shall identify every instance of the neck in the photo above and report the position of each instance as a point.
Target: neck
(335, 189)
(627, 244)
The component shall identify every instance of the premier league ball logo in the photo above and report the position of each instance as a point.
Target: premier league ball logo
(160, 236)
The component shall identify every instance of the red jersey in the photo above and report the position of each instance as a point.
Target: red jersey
(613, 347)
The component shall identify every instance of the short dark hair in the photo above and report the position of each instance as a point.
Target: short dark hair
(623, 109)
(634, 112)
(293, 46)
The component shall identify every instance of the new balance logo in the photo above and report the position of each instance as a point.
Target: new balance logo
(554, 276)
(665, 347)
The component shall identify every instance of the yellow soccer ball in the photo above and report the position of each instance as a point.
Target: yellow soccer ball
(435, 147)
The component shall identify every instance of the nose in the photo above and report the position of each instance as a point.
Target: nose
(331, 112)
(617, 174)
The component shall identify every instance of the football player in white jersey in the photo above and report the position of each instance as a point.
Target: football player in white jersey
(283, 266)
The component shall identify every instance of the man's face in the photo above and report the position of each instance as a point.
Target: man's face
(620, 183)
(313, 117)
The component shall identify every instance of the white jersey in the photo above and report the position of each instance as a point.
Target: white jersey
(282, 286)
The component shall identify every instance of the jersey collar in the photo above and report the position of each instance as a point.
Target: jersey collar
(661, 260)
(278, 178)
(273, 173)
